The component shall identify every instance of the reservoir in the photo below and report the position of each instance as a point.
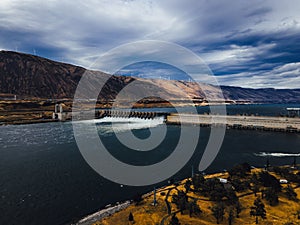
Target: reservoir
(45, 180)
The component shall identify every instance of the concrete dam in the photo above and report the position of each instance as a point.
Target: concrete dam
(129, 114)
(267, 123)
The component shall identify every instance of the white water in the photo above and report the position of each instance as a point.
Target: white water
(120, 124)
(277, 154)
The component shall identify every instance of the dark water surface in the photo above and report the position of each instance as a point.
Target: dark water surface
(45, 180)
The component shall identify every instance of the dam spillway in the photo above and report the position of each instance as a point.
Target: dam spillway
(129, 114)
(99, 114)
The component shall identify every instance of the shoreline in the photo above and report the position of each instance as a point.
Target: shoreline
(21, 113)
(103, 213)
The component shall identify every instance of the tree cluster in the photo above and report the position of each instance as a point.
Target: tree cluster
(181, 200)
(240, 185)
(240, 170)
(268, 180)
(271, 195)
(287, 174)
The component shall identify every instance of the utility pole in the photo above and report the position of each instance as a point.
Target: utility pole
(295, 162)
(154, 197)
(193, 173)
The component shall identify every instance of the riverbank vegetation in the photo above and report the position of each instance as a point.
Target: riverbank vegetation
(242, 195)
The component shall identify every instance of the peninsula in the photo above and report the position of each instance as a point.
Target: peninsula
(241, 195)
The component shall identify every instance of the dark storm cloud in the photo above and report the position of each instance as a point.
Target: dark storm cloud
(239, 40)
(284, 48)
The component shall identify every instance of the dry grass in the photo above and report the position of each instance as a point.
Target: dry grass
(147, 214)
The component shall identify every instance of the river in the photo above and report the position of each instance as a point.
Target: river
(45, 180)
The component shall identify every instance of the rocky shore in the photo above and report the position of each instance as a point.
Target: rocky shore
(109, 210)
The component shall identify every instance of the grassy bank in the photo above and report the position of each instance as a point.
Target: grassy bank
(227, 198)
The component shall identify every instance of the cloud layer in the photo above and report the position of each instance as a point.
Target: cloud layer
(250, 44)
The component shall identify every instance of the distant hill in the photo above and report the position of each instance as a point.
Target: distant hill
(266, 95)
(30, 76)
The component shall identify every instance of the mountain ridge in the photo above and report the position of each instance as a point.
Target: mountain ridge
(30, 76)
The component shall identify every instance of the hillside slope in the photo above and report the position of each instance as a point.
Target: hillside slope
(31, 76)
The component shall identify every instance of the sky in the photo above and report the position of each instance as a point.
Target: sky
(252, 44)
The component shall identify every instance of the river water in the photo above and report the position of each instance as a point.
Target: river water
(45, 180)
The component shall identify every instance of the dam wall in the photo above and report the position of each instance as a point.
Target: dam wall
(98, 114)
(286, 124)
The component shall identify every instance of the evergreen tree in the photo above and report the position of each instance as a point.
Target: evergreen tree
(254, 178)
(271, 196)
(258, 210)
(269, 180)
(298, 214)
(255, 188)
(194, 208)
(218, 212)
(231, 197)
(290, 193)
(174, 220)
(238, 209)
(130, 217)
(180, 200)
(187, 185)
(197, 181)
(230, 216)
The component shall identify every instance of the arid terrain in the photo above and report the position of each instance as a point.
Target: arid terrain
(234, 200)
